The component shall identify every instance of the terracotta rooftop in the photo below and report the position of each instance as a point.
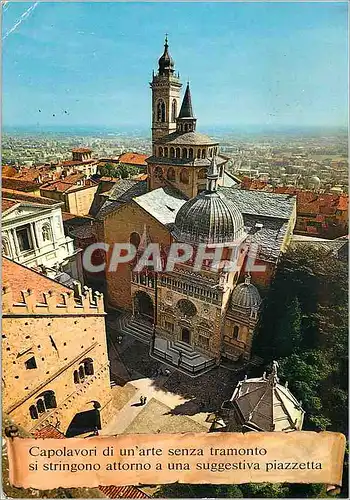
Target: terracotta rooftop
(73, 178)
(30, 198)
(6, 204)
(19, 278)
(122, 492)
(19, 184)
(133, 159)
(49, 432)
(8, 171)
(82, 150)
(63, 185)
(73, 163)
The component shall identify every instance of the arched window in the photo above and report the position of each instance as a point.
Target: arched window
(177, 152)
(235, 332)
(40, 406)
(33, 412)
(46, 232)
(160, 151)
(172, 152)
(6, 247)
(81, 372)
(216, 150)
(184, 153)
(184, 177)
(186, 127)
(190, 154)
(173, 110)
(76, 377)
(161, 111)
(158, 172)
(202, 174)
(203, 153)
(49, 399)
(88, 366)
(166, 152)
(135, 239)
(199, 153)
(171, 174)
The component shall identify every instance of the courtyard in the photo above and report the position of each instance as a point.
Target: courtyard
(175, 402)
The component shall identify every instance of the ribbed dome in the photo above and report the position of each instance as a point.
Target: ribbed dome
(209, 218)
(245, 295)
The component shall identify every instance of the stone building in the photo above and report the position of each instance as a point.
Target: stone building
(77, 197)
(55, 368)
(33, 234)
(191, 319)
(261, 404)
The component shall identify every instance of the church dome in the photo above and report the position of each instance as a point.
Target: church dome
(209, 218)
(245, 295)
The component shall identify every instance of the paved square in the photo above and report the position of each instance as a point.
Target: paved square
(156, 418)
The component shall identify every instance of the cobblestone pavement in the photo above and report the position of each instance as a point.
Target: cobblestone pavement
(175, 403)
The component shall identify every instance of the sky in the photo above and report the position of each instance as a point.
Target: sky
(90, 64)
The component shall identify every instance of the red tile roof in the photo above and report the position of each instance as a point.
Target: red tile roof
(73, 178)
(82, 150)
(30, 198)
(8, 171)
(6, 204)
(49, 432)
(19, 278)
(74, 163)
(19, 184)
(123, 492)
(133, 159)
(62, 186)
(343, 203)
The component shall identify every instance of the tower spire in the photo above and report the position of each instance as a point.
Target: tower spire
(212, 176)
(166, 62)
(186, 110)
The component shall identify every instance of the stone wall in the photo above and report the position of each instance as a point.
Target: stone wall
(118, 226)
(43, 345)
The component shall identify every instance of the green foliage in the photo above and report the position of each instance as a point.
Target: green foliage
(177, 490)
(304, 326)
(121, 170)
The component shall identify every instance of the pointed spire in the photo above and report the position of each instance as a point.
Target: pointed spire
(212, 176)
(186, 110)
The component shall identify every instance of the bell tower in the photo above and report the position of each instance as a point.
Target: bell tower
(166, 88)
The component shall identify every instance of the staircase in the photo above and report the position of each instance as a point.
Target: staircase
(137, 327)
(182, 356)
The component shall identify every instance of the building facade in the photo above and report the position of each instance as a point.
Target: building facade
(54, 354)
(33, 235)
(195, 318)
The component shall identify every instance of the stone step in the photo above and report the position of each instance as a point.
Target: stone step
(137, 329)
(178, 344)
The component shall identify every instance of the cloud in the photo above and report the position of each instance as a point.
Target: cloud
(20, 20)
